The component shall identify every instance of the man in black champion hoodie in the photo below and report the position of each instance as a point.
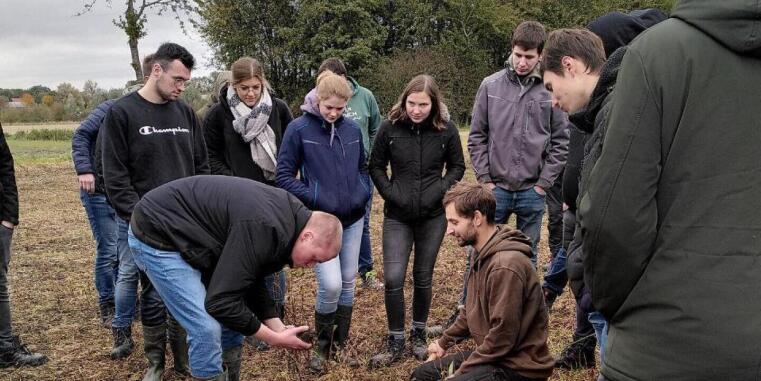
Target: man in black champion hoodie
(208, 242)
(150, 138)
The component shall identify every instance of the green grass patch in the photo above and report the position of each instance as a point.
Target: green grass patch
(30, 152)
(44, 134)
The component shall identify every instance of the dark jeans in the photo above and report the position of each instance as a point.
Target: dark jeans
(103, 223)
(556, 277)
(555, 216)
(439, 369)
(6, 333)
(152, 308)
(365, 249)
(398, 239)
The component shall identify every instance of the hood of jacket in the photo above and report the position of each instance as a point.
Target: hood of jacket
(735, 24)
(584, 119)
(504, 239)
(311, 107)
(617, 29)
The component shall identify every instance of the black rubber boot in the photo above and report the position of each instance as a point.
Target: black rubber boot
(324, 327)
(580, 354)
(419, 343)
(231, 362)
(123, 344)
(178, 341)
(107, 310)
(154, 343)
(16, 354)
(391, 353)
(341, 335)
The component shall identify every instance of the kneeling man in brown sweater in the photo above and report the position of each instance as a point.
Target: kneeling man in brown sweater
(504, 309)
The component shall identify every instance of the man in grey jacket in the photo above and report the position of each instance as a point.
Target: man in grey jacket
(518, 142)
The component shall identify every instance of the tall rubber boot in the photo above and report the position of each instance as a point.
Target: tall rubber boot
(231, 362)
(324, 326)
(154, 343)
(178, 341)
(341, 335)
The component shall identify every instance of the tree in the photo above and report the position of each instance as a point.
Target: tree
(132, 22)
(48, 100)
(27, 99)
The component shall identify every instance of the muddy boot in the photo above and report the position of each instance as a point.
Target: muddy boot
(324, 326)
(123, 344)
(419, 343)
(14, 353)
(231, 362)
(178, 341)
(107, 310)
(391, 353)
(341, 334)
(154, 343)
(580, 354)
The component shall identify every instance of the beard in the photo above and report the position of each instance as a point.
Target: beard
(468, 238)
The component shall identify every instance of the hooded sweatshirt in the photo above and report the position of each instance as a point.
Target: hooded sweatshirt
(517, 139)
(362, 109)
(504, 309)
(670, 216)
(331, 162)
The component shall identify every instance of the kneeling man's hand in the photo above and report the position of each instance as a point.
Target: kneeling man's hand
(288, 338)
(435, 351)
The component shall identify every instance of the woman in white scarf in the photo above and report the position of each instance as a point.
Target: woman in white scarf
(243, 133)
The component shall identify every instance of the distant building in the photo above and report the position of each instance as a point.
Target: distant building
(16, 103)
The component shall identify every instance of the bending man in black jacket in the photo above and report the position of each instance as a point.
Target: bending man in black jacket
(207, 242)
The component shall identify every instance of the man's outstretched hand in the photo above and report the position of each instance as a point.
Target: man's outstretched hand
(289, 338)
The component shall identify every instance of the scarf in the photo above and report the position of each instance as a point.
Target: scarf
(252, 125)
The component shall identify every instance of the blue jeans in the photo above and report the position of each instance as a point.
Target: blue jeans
(180, 286)
(365, 249)
(276, 287)
(555, 278)
(601, 331)
(103, 223)
(528, 207)
(335, 278)
(125, 294)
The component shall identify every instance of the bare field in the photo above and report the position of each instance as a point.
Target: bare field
(14, 128)
(55, 304)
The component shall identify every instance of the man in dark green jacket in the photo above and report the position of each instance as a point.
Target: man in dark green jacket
(670, 217)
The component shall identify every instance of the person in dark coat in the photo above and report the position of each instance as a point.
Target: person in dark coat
(419, 142)
(12, 351)
(243, 132)
(669, 215)
(208, 242)
(615, 30)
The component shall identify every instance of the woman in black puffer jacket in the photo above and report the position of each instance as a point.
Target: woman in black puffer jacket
(420, 144)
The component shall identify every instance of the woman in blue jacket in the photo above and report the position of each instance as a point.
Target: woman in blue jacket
(326, 150)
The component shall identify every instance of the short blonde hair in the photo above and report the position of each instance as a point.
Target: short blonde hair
(330, 84)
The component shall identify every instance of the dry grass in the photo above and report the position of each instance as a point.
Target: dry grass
(55, 306)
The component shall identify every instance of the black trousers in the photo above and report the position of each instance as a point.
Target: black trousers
(439, 369)
(398, 241)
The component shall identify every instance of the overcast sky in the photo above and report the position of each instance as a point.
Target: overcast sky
(42, 42)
